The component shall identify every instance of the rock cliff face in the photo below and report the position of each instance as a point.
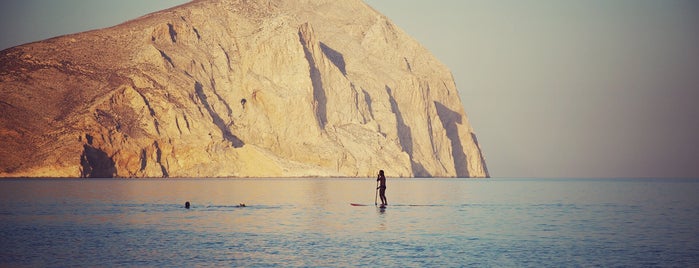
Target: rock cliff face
(235, 88)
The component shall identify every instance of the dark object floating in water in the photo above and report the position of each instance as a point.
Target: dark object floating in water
(241, 205)
(186, 205)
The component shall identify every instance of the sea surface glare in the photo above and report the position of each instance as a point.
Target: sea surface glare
(309, 222)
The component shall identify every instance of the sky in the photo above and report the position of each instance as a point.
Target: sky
(552, 88)
(566, 88)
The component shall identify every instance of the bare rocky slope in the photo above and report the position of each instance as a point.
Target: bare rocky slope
(235, 88)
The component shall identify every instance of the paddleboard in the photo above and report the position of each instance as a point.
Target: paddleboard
(363, 205)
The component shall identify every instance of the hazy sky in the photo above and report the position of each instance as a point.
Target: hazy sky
(564, 88)
(553, 88)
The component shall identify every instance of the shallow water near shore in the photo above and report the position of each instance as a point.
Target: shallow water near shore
(310, 222)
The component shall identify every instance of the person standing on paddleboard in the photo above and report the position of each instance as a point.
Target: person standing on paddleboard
(382, 188)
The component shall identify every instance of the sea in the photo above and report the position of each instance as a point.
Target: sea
(310, 223)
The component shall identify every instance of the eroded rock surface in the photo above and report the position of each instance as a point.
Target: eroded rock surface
(235, 88)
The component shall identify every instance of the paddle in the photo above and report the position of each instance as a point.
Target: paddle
(377, 192)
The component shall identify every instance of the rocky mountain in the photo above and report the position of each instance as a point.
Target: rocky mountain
(235, 88)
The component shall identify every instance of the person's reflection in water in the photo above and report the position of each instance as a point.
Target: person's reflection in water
(381, 218)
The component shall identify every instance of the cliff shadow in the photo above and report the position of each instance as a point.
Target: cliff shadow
(229, 111)
(167, 58)
(369, 103)
(480, 154)
(172, 32)
(449, 120)
(159, 159)
(405, 136)
(404, 133)
(217, 120)
(335, 57)
(318, 90)
(96, 163)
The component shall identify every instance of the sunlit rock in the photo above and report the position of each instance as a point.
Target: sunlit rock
(226, 88)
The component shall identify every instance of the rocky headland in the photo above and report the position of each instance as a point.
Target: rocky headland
(235, 88)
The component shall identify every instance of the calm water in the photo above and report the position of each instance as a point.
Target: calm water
(309, 222)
